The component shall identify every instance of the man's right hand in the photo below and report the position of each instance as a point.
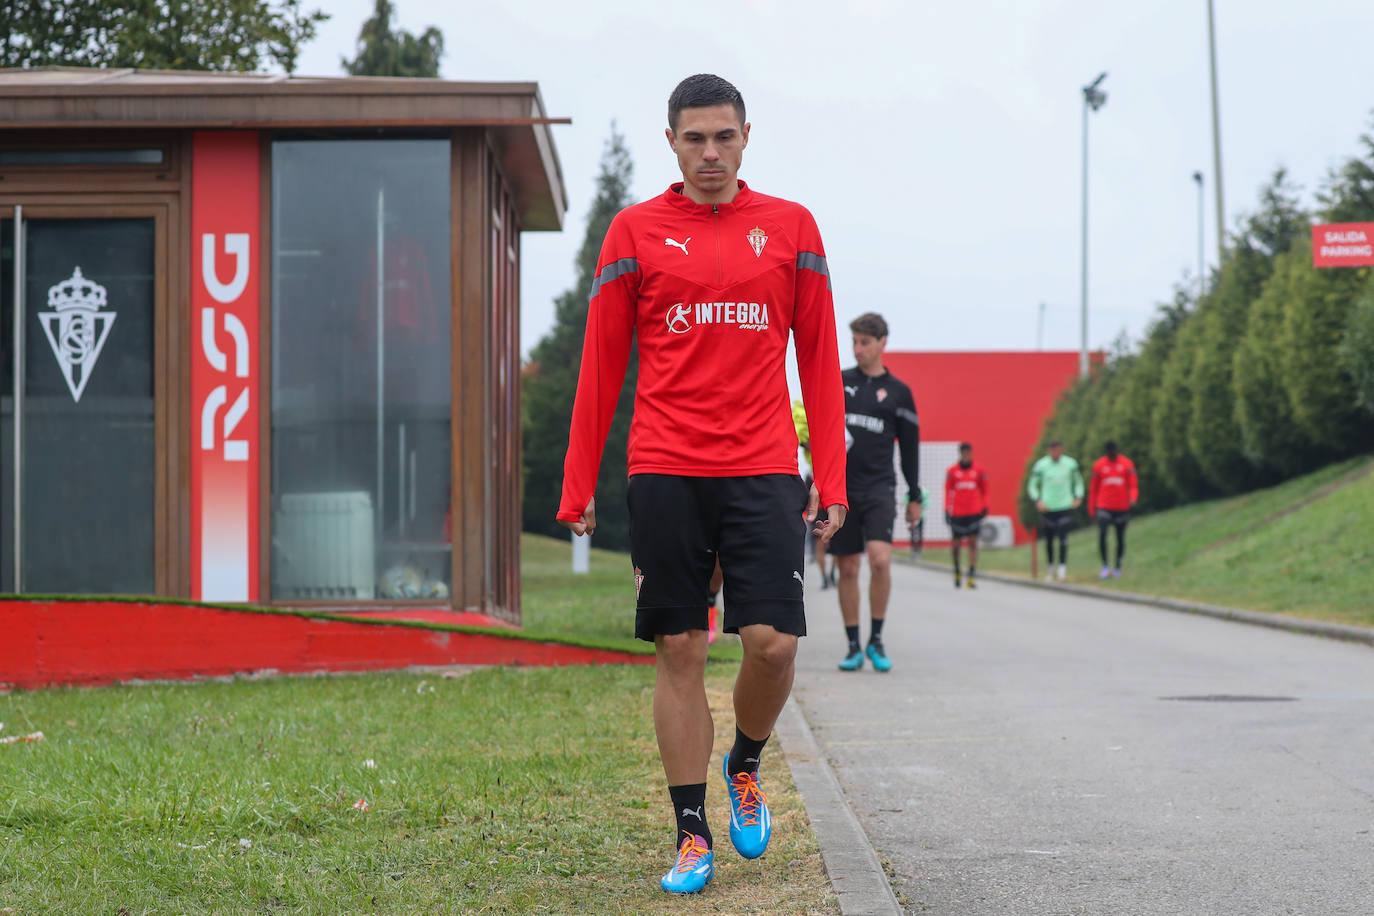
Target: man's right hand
(1040, 505)
(584, 525)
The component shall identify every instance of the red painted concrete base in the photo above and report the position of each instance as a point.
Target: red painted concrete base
(101, 642)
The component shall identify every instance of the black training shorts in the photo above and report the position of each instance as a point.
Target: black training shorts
(871, 514)
(965, 526)
(679, 525)
(1113, 516)
(1056, 523)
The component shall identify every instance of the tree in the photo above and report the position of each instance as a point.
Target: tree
(1269, 436)
(1136, 397)
(1321, 394)
(1357, 348)
(1172, 411)
(384, 51)
(234, 35)
(551, 380)
(1213, 430)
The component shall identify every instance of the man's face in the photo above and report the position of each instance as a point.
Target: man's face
(868, 350)
(965, 456)
(1056, 452)
(709, 143)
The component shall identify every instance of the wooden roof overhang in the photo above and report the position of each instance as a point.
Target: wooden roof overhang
(94, 99)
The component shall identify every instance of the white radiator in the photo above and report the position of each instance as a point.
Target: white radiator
(325, 547)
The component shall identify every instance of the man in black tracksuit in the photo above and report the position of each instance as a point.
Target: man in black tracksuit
(879, 410)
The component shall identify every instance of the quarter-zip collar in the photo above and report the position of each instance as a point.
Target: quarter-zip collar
(675, 197)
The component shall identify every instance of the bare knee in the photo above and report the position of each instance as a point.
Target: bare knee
(681, 655)
(849, 566)
(772, 651)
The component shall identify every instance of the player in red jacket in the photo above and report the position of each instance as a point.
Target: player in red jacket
(1112, 494)
(966, 505)
(711, 279)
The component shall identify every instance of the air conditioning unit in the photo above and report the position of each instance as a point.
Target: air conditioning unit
(997, 531)
(324, 547)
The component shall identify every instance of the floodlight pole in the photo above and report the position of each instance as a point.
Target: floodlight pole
(1216, 134)
(1093, 99)
(1201, 261)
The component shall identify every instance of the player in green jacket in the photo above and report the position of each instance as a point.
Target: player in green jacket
(1056, 486)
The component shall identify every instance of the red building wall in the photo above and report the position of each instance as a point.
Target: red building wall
(998, 401)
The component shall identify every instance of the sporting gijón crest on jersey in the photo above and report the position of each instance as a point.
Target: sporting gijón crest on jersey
(878, 410)
(711, 294)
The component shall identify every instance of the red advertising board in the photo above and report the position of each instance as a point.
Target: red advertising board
(1343, 245)
(224, 365)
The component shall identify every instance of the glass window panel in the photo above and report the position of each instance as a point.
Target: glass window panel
(89, 458)
(361, 448)
(148, 156)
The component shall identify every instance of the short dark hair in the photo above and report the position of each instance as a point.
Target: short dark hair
(1111, 447)
(870, 323)
(965, 446)
(704, 90)
(1055, 443)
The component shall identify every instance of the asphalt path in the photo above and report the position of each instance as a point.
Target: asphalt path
(1043, 753)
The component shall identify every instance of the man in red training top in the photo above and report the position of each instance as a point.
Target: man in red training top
(710, 278)
(1112, 494)
(966, 505)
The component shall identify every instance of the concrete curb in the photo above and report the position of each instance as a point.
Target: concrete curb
(850, 860)
(1275, 621)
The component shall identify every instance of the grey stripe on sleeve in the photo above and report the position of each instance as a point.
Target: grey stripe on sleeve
(808, 260)
(613, 271)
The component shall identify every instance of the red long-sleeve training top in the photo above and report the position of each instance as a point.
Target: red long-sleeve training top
(711, 292)
(966, 490)
(1114, 485)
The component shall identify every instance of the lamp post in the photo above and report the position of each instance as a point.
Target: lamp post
(1093, 99)
(1201, 264)
(1040, 329)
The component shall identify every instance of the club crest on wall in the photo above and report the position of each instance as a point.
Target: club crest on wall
(76, 328)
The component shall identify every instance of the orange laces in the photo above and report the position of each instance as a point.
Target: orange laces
(690, 853)
(751, 798)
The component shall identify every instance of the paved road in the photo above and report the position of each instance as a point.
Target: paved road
(1028, 754)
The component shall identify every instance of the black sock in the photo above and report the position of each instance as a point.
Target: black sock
(853, 634)
(744, 756)
(689, 804)
(971, 571)
(876, 635)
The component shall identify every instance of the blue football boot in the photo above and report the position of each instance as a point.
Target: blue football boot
(695, 867)
(853, 661)
(751, 826)
(879, 658)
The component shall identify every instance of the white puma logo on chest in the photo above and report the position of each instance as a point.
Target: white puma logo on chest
(676, 244)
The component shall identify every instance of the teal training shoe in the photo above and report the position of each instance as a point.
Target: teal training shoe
(853, 661)
(695, 867)
(878, 657)
(751, 825)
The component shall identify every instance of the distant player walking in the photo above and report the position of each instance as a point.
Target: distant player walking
(1056, 486)
(966, 505)
(879, 412)
(1113, 492)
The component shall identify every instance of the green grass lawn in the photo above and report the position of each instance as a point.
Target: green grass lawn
(597, 606)
(499, 791)
(1303, 548)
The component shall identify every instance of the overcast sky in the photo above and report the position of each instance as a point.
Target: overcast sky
(938, 144)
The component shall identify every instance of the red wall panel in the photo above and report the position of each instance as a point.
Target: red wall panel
(998, 401)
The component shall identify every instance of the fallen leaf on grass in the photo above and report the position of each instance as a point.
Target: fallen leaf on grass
(361, 805)
(245, 843)
(189, 846)
(31, 738)
(369, 764)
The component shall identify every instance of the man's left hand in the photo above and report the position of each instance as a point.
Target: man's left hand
(913, 513)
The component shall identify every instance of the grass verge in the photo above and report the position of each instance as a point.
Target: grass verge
(1301, 548)
(502, 791)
